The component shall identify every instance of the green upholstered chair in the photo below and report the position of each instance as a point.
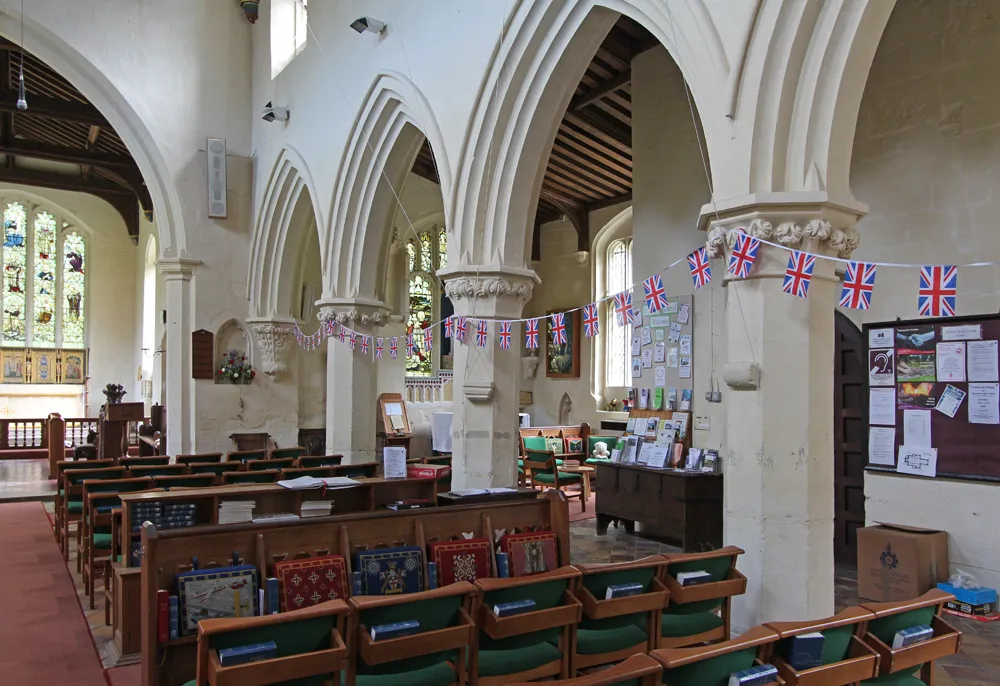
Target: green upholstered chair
(71, 500)
(536, 443)
(154, 460)
(311, 650)
(281, 453)
(319, 460)
(216, 468)
(913, 665)
(612, 630)
(158, 470)
(436, 656)
(268, 476)
(638, 670)
(201, 458)
(63, 466)
(846, 659)
(273, 463)
(592, 441)
(318, 472)
(246, 455)
(712, 665)
(532, 645)
(541, 468)
(697, 614)
(184, 481)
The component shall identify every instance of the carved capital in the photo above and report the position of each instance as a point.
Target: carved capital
(470, 282)
(274, 338)
(353, 313)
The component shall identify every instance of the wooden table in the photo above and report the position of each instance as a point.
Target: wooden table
(585, 471)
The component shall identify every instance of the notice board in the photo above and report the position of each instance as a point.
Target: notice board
(929, 364)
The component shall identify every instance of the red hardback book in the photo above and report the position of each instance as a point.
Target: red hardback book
(428, 471)
(465, 560)
(531, 553)
(310, 581)
(162, 616)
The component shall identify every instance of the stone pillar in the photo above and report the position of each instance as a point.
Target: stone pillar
(177, 274)
(351, 379)
(778, 454)
(274, 339)
(487, 380)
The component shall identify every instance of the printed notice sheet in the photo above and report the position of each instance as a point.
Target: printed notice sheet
(660, 352)
(647, 336)
(919, 461)
(917, 428)
(880, 338)
(882, 367)
(950, 400)
(685, 369)
(951, 361)
(983, 408)
(882, 406)
(660, 377)
(882, 445)
(964, 332)
(982, 361)
(394, 462)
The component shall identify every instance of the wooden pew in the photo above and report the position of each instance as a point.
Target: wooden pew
(714, 663)
(847, 660)
(638, 670)
(200, 457)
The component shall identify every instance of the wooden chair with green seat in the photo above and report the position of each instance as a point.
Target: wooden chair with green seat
(846, 659)
(63, 466)
(216, 468)
(290, 473)
(273, 463)
(914, 664)
(158, 470)
(538, 444)
(71, 500)
(436, 656)
(246, 455)
(712, 665)
(700, 613)
(592, 442)
(184, 481)
(147, 461)
(319, 460)
(528, 646)
(638, 670)
(282, 453)
(267, 476)
(201, 458)
(541, 467)
(311, 650)
(614, 629)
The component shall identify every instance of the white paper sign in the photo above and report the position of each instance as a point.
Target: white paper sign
(982, 360)
(917, 428)
(880, 338)
(636, 316)
(659, 321)
(647, 358)
(684, 313)
(882, 445)
(685, 344)
(671, 307)
(659, 334)
(951, 361)
(657, 455)
(882, 406)
(636, 367)
(966, 332)
(675, 332)
(394, 462)
(685, 368)
(950, 400)
(397, 408)
(660, 377)
(636, 342)
(647, 336)
(983, 408)
(918, 461)
(882, 367)
(659, 353)
(672, 358)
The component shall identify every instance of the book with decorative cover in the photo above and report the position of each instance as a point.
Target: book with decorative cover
(465, 560)
(213, 593)
(530, 553)
(311, 581)
(391, 571)
(241, 655)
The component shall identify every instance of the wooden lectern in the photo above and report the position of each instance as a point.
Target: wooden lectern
(112, 431)
(393, 426)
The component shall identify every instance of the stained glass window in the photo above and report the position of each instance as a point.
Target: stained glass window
(15, 274)
(43, 308)
(421, 312)
(426, 253)
(74, 290)
(442, 249)
(411, 253)
(619, 271)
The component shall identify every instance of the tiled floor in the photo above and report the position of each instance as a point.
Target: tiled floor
(25, 480)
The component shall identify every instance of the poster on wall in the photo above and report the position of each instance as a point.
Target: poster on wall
(15, 364)
(917, 396)
(882, 367)
(915, 365)
(73, 366)
(917, 460)
(982, 360)
(951, 361)
(916, 337)
(881, 338)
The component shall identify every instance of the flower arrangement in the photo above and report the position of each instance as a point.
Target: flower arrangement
(235, 368)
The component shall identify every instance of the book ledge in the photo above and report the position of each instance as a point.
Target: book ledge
(653, 599)
(329, 660)
(735, 584)
(567, 614)
(402, 648)
(861, 663)
(946, 641)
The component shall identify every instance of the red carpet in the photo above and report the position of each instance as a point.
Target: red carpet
(576, 512)
(44, 635)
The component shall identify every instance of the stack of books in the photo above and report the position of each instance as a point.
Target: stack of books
(177, 515)
(571, 463)
(235, 511)
(317, 508)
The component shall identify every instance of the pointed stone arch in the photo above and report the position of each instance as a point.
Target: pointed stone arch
(392, 124)
(288, 212)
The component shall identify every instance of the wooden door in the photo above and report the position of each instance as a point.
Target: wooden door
(848, 438)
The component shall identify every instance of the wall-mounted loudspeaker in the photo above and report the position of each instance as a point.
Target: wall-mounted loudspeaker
(216, 149)
(164, 313)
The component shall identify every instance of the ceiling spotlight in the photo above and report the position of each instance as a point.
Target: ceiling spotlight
(274, 113)
(369, 24)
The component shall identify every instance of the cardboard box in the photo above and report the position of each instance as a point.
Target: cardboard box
(981, 610)
(898, 562)
(427, 471)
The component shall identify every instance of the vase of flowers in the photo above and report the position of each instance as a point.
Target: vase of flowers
(235, 368)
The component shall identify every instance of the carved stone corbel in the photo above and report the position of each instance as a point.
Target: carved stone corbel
(274, 339)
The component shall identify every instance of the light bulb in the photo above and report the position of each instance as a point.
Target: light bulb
(22, 103)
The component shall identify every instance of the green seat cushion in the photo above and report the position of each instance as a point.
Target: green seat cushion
(677, 625)
(438, 674)
(75, 507)
(520, 463)
(712, 672)
(102, 541)
(897, 679)
(534, 443)
(594, 461)
(597, 641)
(515, 660)
(62, 492)
(564, 478)
(191, 683)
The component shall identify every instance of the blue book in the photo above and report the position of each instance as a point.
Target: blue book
(514, 607)
(503, 565)
(806, 651)
(622, 590)
(273, 602)
(432, 576)
(381, 632)
(174, 616)
(755, 676)
(241, 655)
(356, 588)
(911, 635)
(693, 578)
(391, 571)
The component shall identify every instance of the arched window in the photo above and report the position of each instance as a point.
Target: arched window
(619, 338)
(425, 255)
(44, 279)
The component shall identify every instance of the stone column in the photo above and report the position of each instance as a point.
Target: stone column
(487, 380)
(351, 379)
(274, 339)
(177, 274)
(778, 454)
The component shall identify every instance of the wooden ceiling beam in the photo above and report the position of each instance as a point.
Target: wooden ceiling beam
(59, 153)
(580, 220)
(609, 202)
(556, 177)
(600, 90)
(607, 158)
(605, 185)
(612, 139)
(616, 112)
(52, 108)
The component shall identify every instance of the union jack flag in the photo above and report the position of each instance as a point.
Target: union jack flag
(461, 326)
(798, 273)
(743, 256)
(623, 307)
(330, 326)
(411, 347)
(392, 347)
(559, 328)
(505, 335)
(656, 295)
(341, 334)
(701, 270)
(449, 327)
(378, 348)
(364, 344)
(354, 340)
(428, 339)
(858, 286)
(591, 323)
(938, 291)
(481, 329)
(531, 333)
